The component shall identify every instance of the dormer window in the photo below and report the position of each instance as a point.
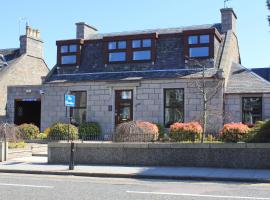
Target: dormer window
(69, 52)
(198, 46)
(134, 48)
(117, 51)
(141, 49)
(200, 43)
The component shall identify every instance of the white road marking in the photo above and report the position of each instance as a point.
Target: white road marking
(22, 185)
(198, 195)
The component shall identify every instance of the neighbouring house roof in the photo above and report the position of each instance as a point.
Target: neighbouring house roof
(243, 80)
(131, 75)
(263, 72)
(10, 54)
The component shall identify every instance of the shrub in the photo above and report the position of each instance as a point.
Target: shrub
(89, 130)
(15, 145)
(136, 131)
(190, 131)
(28, 131)
(47, 131)
(260, 132)
(234, 132)
(59, 131)
(161, 131)
(42, 136)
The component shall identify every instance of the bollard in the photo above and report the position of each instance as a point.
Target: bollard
(72, 151)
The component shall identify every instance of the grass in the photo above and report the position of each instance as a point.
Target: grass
(16, 145)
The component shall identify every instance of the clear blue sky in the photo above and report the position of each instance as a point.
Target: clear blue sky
(56, 18)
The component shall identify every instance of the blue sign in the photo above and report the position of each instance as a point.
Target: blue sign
(69, 100)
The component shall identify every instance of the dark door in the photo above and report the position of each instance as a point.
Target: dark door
(123, 106)
(27, 111)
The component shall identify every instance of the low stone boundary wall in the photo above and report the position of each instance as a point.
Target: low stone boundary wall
(254, 156)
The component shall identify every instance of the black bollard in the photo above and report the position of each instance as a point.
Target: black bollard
(72, 151)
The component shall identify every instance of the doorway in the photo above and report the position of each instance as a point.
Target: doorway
(27, 111)
(123, 106)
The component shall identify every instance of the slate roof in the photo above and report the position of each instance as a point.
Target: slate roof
(130, 75)
(86, 73)
(243, 80)
(262, 72)
(158, 30)
(10, 54)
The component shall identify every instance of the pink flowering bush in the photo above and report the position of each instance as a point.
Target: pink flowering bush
(234, 132)
(136, 131)
(190, 131)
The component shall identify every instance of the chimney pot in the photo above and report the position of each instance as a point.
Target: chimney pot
(30, 43)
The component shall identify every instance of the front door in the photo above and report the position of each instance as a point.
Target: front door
(123, 106)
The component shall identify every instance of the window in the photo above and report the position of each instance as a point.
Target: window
(142, 55)
(141, 49)
(68, 59)
(173, 106)
(69, 54)
(130, 49)
(198, 46)
(78, 113)
(198, 52)
(251, 109)
(117, 51)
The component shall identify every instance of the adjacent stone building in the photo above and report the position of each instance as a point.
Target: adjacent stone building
(21, 66)
(155, 75)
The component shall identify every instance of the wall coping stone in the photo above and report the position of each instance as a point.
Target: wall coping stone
(162, 145)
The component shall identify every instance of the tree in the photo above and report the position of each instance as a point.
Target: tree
(268, 5)
(208, 93)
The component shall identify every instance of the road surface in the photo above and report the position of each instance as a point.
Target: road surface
(41, 187)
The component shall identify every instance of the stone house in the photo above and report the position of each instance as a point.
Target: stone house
(21, 66)
(154, 75)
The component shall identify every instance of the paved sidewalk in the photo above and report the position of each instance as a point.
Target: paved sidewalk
(38, 165)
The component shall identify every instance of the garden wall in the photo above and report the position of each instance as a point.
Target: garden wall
(255, 156)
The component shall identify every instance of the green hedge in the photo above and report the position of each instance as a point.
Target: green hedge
(59, 131)
(260, 132)
(89, 130)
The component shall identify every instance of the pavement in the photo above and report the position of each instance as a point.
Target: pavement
(38, 165)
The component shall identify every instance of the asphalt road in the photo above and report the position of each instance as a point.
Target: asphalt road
(41, 187)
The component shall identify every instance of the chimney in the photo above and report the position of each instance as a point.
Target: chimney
(228, 20)
(30, 43)
(85, 31)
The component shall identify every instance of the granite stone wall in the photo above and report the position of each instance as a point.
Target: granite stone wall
(233, 106)
(253, 156)
(21, 92)
(148, 102)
